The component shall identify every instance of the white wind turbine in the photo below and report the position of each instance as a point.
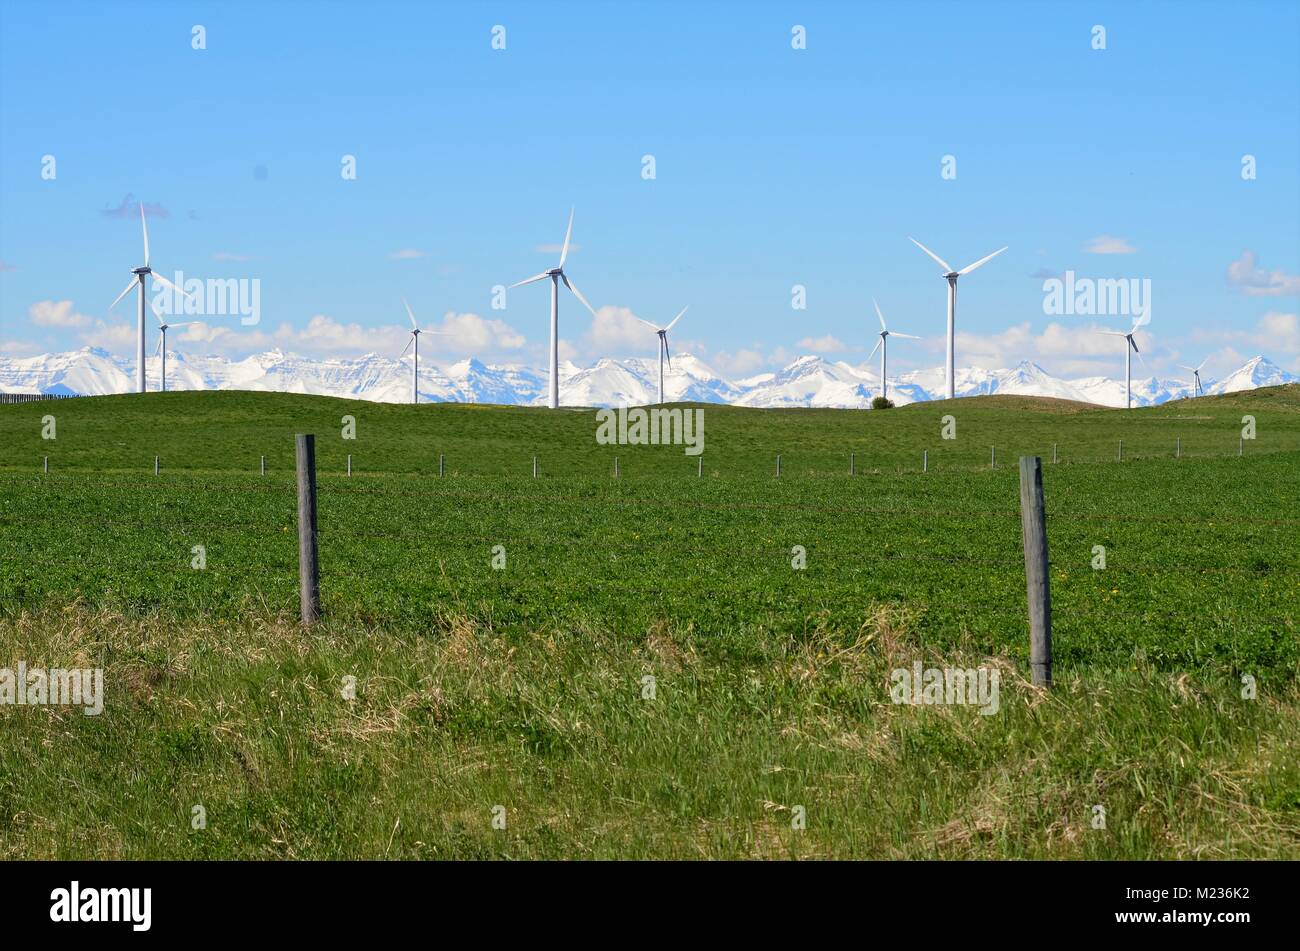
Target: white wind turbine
(663, 347)
(883, 346)
(556, 274)
(415, 339)
(138, 280)
(162, 347)
(1128, 358)
(951, 276)
(1197, 389)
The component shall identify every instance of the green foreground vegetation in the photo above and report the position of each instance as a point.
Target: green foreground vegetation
(526, 687)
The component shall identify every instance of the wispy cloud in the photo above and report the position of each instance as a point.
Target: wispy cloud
(1253, 281)
(49, 313)
(826, 344)
(1106, 244)
(408, 254)
(130, 208)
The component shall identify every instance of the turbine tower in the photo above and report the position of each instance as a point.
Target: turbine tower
(1128, 358)
(556, 274)
(1197, 389)
(951, 276)
(663, 347)
(883, 346)
(162, 347)
(415, 339)
(138, 280)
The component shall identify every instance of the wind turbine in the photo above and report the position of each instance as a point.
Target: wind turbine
(138, 280)
(883, 346)
(663, 347)
(415, 339)
(1197, 389)
(951, 277)
(556, 274)
(1128, 358)
(162, 347)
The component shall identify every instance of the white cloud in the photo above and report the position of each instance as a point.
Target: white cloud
(826, 344)
(616, 330)
(1253, 281)
(116, 338)
(742, 363)
(48, 313)
(1106, 244)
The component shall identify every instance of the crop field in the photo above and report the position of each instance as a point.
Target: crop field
(690, 660)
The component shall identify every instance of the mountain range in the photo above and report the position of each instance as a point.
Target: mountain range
(808, 381)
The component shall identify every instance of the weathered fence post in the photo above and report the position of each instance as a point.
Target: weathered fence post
(1178, 448)
(1038, 584)
(993, 457)
(155, 465)
(699, 470)
(534, 467)
(925, 460)
(47, 465)
(349, 465)
(1053, 453)
(442, 460)
(308, 567)
(264, 465)
(1120, 457)
(778, 465)
(616, 467)
(852, 464)
(1241, 445)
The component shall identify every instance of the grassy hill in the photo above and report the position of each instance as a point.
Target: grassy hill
(524, 687)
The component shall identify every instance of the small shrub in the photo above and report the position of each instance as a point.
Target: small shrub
(881, 402)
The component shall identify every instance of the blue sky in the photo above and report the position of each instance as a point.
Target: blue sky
(774, 167)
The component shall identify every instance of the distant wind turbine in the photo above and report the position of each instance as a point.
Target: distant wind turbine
(883, 346)
(1197, 389)
(162, 347)
(415, 339)
(556, 274)
(951, 276)
(1128, 358)
(663, 347)
(138, 280)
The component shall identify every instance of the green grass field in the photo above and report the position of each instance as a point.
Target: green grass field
(525, 687)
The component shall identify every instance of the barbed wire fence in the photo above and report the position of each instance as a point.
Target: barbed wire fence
(284, 501)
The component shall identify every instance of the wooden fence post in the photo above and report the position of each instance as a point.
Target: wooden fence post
(925, 460)
(1038, 583)
(308, 567)
(1053, 453)
(852, 464)
(155, 465)
(699, 469)
(534, 467)
(349, 465)
(264, 465)
(778, 465)
(442, 460)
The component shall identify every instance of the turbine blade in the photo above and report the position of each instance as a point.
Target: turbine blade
(123, 294)
(677, 318)
(577, 293)
(1188, 369)
(1133, 343)
(410, 313)
(564, 251)
(647, 323)
(895, 333)
(158, 349)
(145, 228)
(875, 348)
(942, 263)
(984, 260)
(168, 284)
(879, 315)
(1112, 333)
(530, 280)
(668, 353)
(1202, 366)
(407, 347)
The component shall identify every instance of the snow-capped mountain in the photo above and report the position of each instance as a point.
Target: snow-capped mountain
(808, 381)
